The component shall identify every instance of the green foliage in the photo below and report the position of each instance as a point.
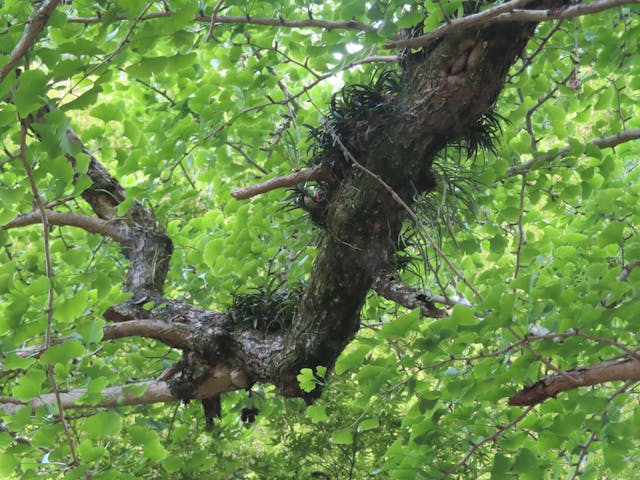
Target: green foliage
(181, 122)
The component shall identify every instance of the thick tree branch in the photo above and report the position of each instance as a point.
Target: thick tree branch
(174, 334)
(509, 12)
(155, 392)
(552, 385)
(603, 142)
(313, 174)
(248, 20)
(116, 231)
(34, 26)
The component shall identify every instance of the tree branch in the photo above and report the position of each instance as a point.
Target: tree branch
(389, 287)
(508, 12)
(248, 20)
(34, 26)
(116, 231)
(551, 385)
(315, 174)
(175, 335)
(603, 142)
(155, 392)
(481, 18)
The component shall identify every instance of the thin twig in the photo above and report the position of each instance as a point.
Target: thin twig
(475, 446)
(214, 16)
(247, 20)
(602, 142)
(520, 228)
(49, 272)
(112, 55)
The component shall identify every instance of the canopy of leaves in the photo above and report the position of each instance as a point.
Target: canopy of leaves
(182, 110)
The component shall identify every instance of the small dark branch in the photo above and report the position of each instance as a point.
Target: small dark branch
(116, 231)
(214, 17)
(112, 55)
(521, 234)
(269, 22)
(34, 26)
(552, 385)
(542, 359)
(482, 18)
(526, 62)
(509, 12)
(162, 93)
(313, 174)
(175, 335)
(238, 148)
(583, 455)
(491, 438)
(389, 287)
(603, 142)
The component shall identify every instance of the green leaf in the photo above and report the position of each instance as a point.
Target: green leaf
(31, 91)
(463, 315)
(103, 425)
(343, 437)
(29, 385)
(317, 413)
(368, 424)
(64, 352)
(72, 308)
(402, 325)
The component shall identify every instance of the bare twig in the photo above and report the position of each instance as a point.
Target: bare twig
(214, 16)
(521, 235)
(112, 55)
(526, 62)
(34, 26)
(491, 438)
(315, 174)
(24, 126)
(508, 12)
(603, 142)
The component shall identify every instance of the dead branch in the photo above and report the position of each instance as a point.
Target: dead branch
(116, 231)
(34, 26)
(112, 397)
(313, 174)
(552, 385)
